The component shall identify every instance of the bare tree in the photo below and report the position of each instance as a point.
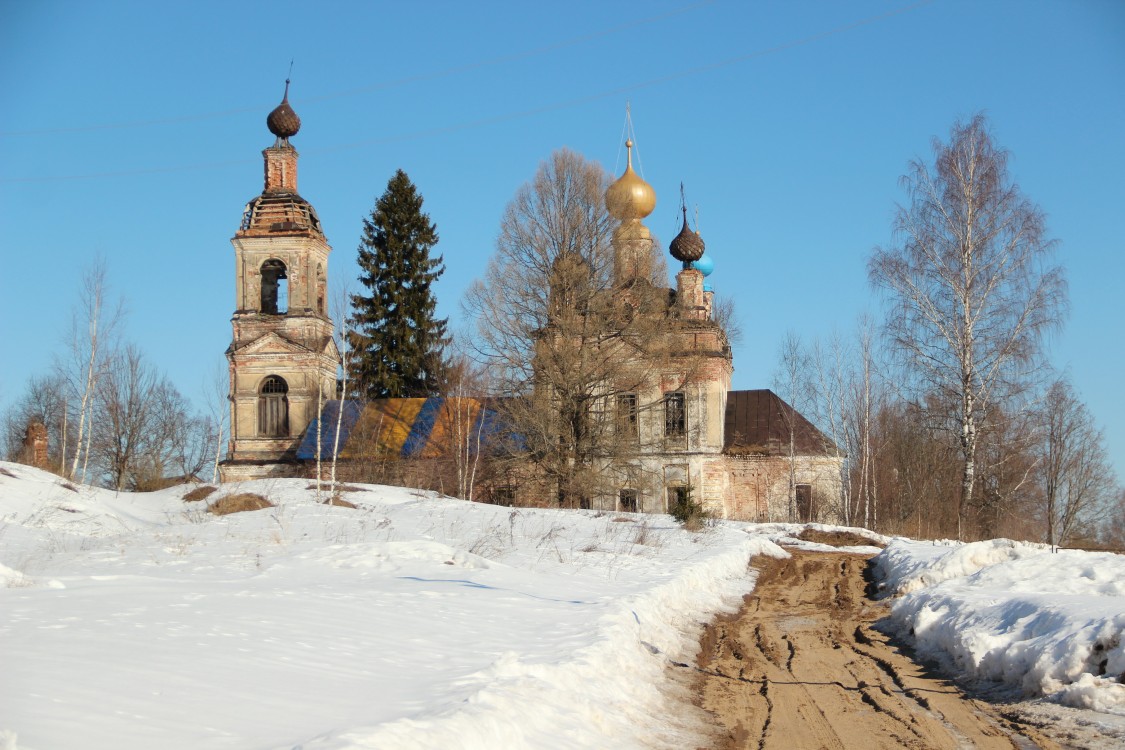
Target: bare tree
(971, 288)
(792, 381)
(142, 429)
(1005, 501)
(344, 340)
(844, 397)
(93, 328)
(345, 353)
(559, 339)
(1074, 470)
(465, 385)
(916, 471)
(43, 401)
(831, 366)
(123, 412)
(864, 407)
(1113, 530)
(319, 438)
(725, 314)
(217, 395)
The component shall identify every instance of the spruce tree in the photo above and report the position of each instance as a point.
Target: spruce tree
(397, 343)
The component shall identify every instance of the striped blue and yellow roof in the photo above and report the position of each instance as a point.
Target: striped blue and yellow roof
(404, 427)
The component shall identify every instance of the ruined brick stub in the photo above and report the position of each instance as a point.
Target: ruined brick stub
(35, 445)
(281, 169)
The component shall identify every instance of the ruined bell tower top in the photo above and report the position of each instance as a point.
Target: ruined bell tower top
(280, 209)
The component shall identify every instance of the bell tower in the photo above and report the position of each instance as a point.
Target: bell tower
(282, 356)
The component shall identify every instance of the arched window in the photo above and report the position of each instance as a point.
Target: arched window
(273, 408)
(275, 288)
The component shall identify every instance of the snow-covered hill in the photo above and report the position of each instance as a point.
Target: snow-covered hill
(137, 620)
(142, 621)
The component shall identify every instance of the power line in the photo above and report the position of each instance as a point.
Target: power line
(521, 114)
(380, 86)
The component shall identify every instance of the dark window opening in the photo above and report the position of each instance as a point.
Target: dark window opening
(627, 501)
(678, 497)
(320, 288)
(275, 288)
(675, 420)
(273, 408)
(627, 415)
(805, 509)
(569, 500)
(504, 495)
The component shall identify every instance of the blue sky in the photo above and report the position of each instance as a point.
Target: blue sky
(134, 130)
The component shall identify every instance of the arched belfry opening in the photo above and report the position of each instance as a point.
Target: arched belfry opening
(273, 407)
(275, 288)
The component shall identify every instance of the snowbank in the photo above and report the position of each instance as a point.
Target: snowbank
(1044, 623)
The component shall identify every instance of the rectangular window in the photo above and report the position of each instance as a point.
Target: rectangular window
(627, 416)
(675, 420)
(504, 495)
(627, 501)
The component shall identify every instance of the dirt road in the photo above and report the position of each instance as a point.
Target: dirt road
(800, 667)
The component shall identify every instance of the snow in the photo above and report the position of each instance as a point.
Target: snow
(141, 621)
(1042, 623)
(789, 534)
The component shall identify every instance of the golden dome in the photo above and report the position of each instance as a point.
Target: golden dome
(630, 197)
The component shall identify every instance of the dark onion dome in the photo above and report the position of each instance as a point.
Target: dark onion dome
(283, 121)
(687, 245)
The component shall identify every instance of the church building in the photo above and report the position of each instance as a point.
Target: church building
(744, 455)
(741, 454)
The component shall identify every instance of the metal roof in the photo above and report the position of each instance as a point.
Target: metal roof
(759, 422)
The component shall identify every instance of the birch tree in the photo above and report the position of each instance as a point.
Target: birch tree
(343, 343)
(970, 284)
(466, 433)
(94, 324)
(217, 396)
(792, 381)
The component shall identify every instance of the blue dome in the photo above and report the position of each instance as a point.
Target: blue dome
(704, 265)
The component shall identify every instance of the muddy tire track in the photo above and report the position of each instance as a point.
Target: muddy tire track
(800, 667)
